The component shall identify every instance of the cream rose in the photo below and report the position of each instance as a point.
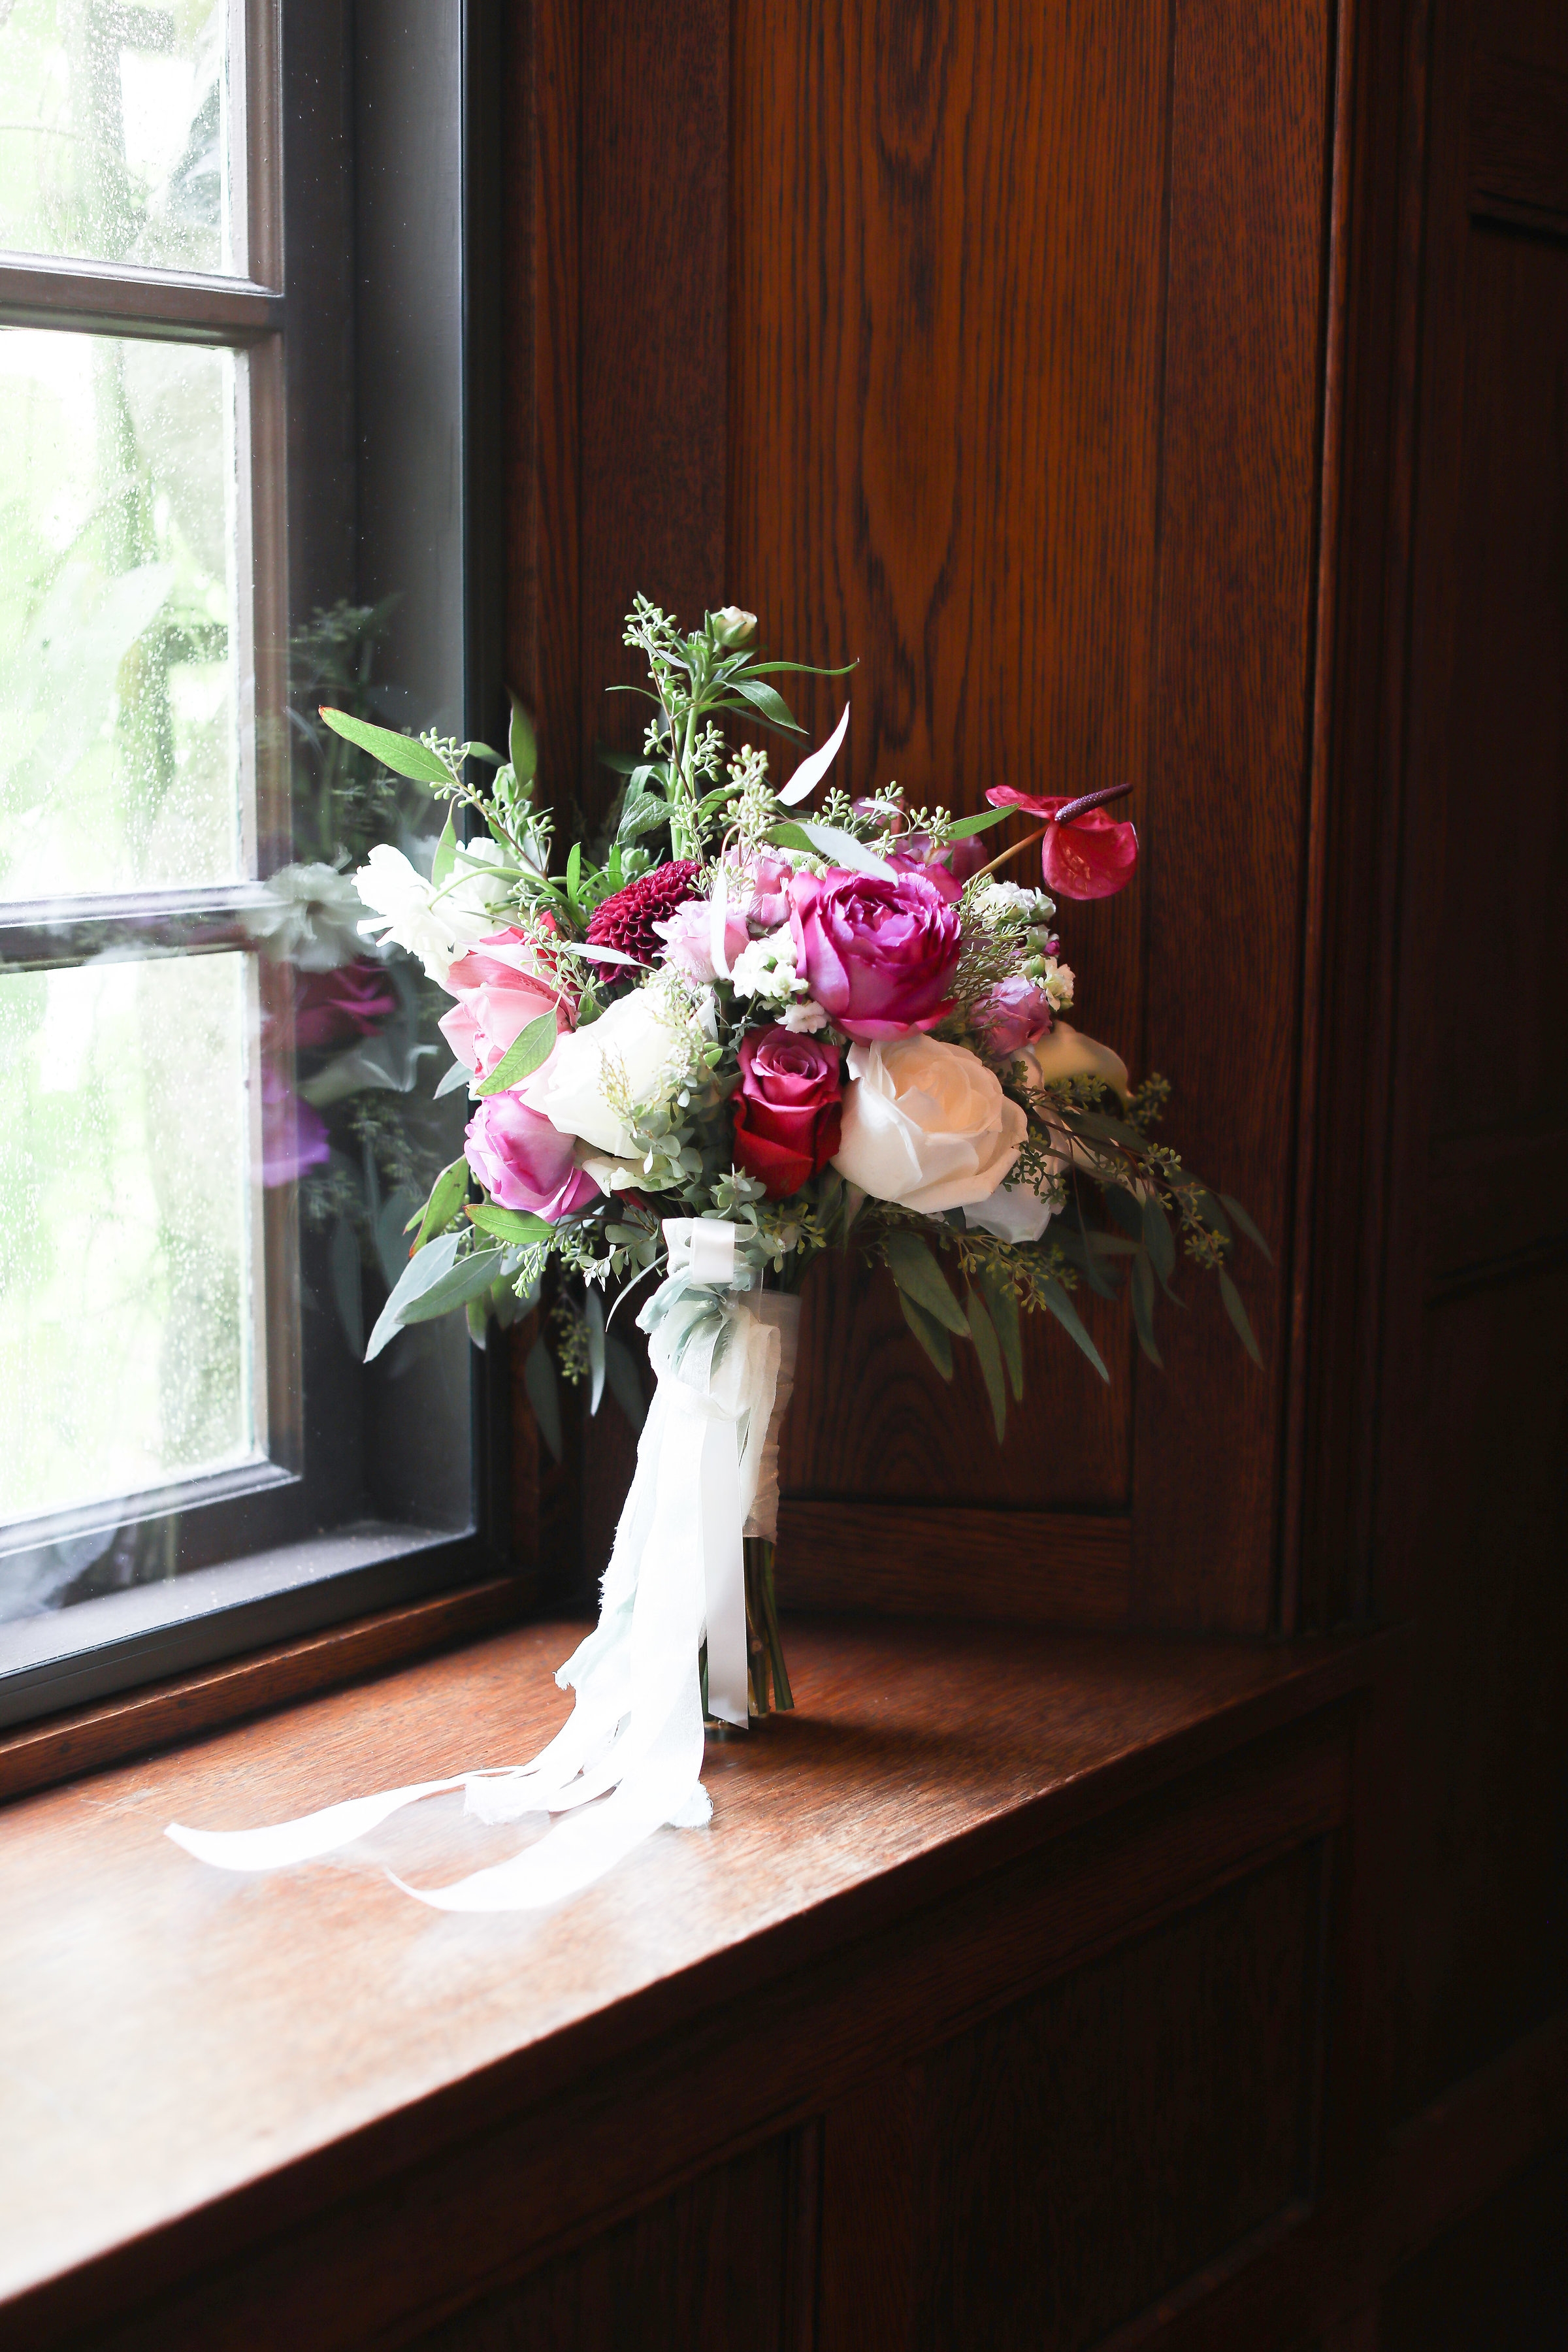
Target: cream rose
(1014, 1212)
(632, 1057)
(926, 1124)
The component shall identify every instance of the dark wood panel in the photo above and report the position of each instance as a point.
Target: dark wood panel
(1046, 1568)
(705, 2270)
(947, 244)
(1519, 142)
(1241, 399)
(1486, 1930)
(1497, 2282)
(1040, 2179)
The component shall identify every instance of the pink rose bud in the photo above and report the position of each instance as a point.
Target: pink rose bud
(496, 1002)
(524, 1162)
(878, 954)
(1012, 1017)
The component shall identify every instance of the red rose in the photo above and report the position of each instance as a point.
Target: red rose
(787, 1112)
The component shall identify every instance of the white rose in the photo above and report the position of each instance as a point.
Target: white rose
(926, 1124)
(633, 1057)
(1014, 1212)
(1065, 1054)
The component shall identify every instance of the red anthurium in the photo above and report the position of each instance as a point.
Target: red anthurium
(1090, 857)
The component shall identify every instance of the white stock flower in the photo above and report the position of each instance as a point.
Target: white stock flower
(310, 919)
(436, 926)
(766, 968)
(926, 1124)
(1056, 979)
(734, 626)
(634, 1057)
(1011, 900)
(804, 1017)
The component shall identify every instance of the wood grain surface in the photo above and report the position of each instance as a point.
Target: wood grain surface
(1043, 1567)
(315, 2027)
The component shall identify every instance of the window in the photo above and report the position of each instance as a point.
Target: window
(238, 244)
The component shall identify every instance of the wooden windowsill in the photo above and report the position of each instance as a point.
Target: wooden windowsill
(193, 2060)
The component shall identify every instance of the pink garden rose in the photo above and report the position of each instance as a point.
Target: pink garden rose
(1011, 1015)
(878, 954)
(767, 879)
(524, 1162)
(688, 937)
(496, 1002)
(787, 1112)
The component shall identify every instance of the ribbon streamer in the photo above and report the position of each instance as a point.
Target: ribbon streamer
(707, 1469)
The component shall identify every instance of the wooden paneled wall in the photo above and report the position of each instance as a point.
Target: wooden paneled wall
(983, 345)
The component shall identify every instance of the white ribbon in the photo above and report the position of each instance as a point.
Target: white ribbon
(707, 1468)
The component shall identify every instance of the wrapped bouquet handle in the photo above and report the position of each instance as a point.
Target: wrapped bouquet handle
(723, 1353)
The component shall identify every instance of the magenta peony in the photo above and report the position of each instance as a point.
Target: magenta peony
(787, 1112)
(524, 1162)
(878, 954)
(496, 1002)
(1014, 1013)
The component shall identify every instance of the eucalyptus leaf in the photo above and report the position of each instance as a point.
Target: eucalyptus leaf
(1239, 1319)
(528, 1049)
(930, 1333)
(543, 1392)
(445, 857)
(917, 1274)
(458, 1076)
(811, 771)
(983, 1331)
(514, 1227)
(1004, 1306)
(1067, 1315)
(1125, 1207)
(403, 755)
(1158, 1239)
(968, 826)
(845, 850)
(466, 1279)
(523, 744)
(483, 751)
(1247, 1227)
(424, 1269)
(593, 1317)
(625, 1386)
(390, 1227)
(1143, 1307)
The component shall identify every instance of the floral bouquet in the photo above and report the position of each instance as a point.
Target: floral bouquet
(747, 1029)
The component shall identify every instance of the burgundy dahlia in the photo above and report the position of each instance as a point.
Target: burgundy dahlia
(625, 919)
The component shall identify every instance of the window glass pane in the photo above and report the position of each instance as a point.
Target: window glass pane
(114, 127)
(120, 762)
(126, 1172)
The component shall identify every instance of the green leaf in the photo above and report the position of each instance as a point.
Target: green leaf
(483, 751)
(343, 1266)
(448, 1194)
(544, 1391)
(522, 745)
(1158, 1239)
(767, 700)
(640, 816)
(1238, 1315)
(445, 857)
(1125, 1207)
(528, 1049)
(1004, 1306)
(968, 826)
(511, 1225)
(917, 1274)
(593, 1316)
(426, 1269)
(574, 873)
(930, 1333)
(403, 755)
(466, 1279)
(458, 1076)
(1247, 1227)
(1143, 1307)
(477, 1311)
(1067, 1315)
(802, 669)
(983, 1331)
(625, 1386)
